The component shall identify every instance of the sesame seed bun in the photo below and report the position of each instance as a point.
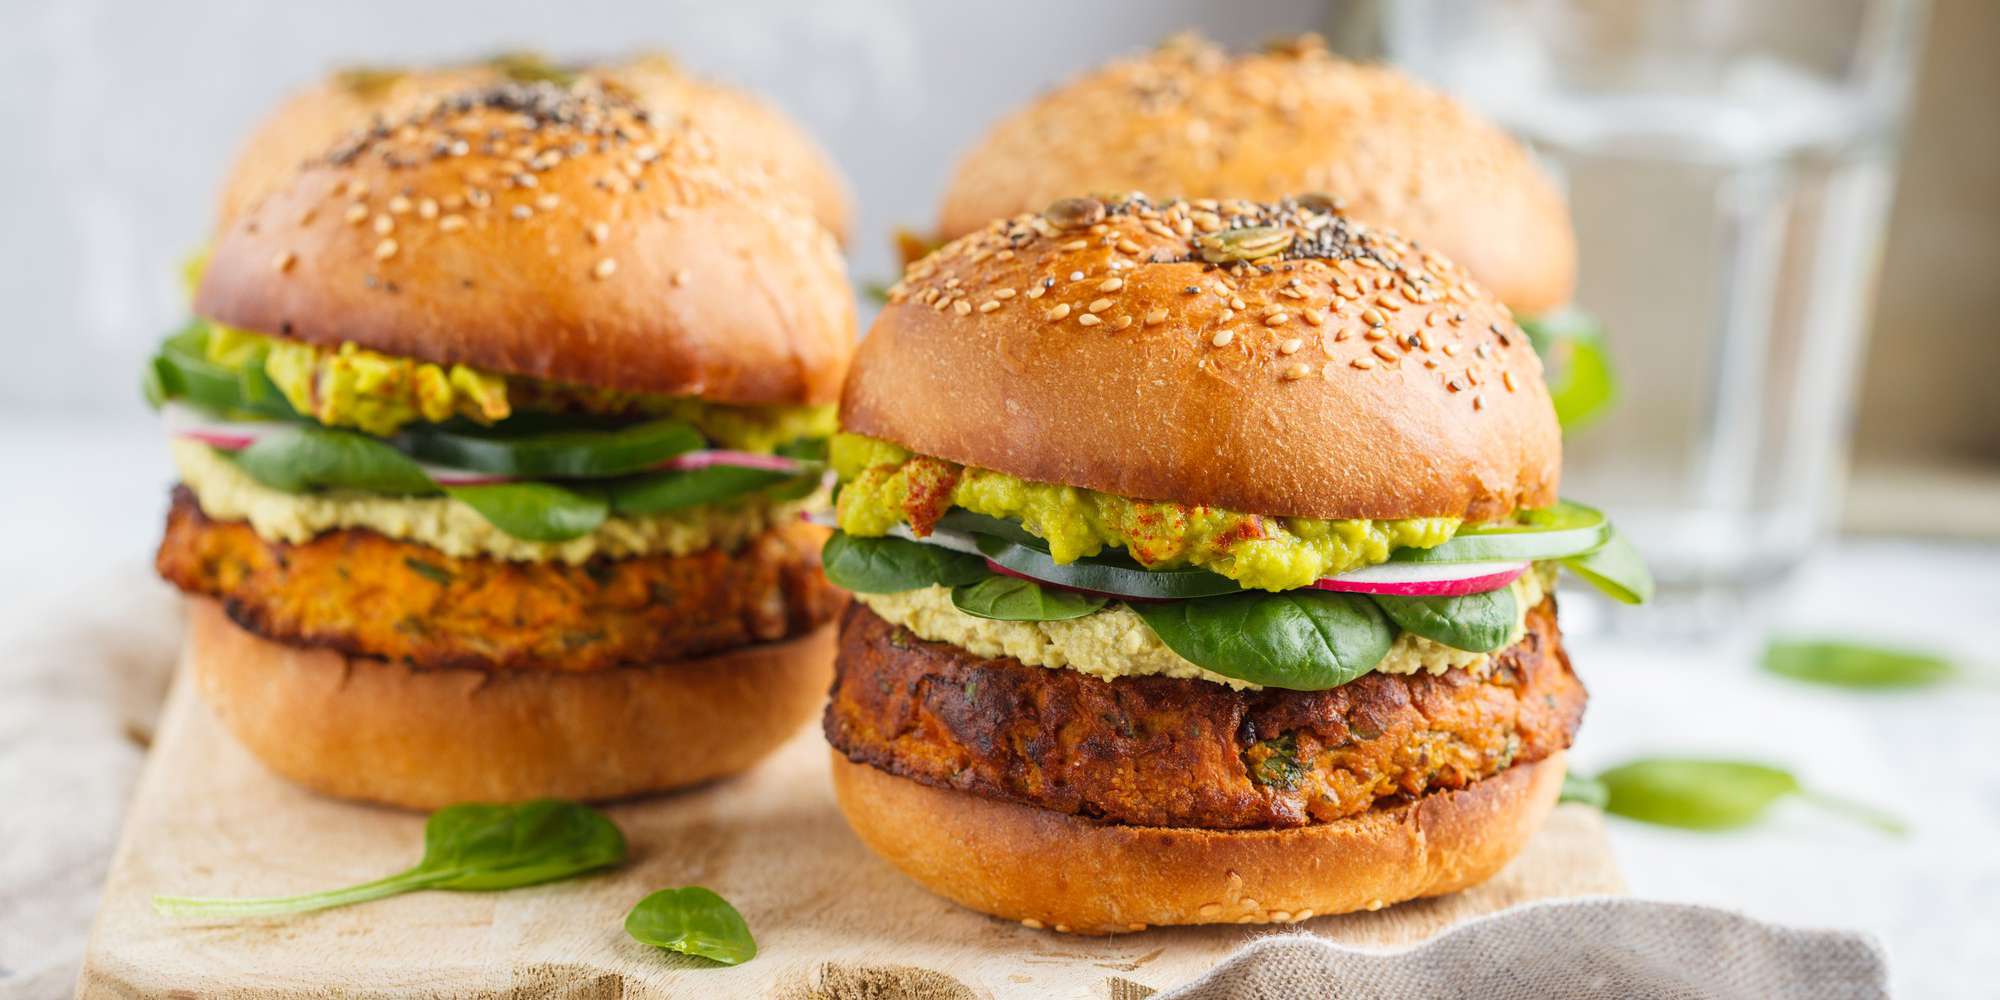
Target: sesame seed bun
(1188, 119)
(1338, 372)
(559, 234)
(1049, 869)
(742, 126)
(365, 728)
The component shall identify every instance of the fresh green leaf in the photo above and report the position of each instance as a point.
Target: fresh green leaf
(1276, 763)
(472, 848)
(1587, 791)
(429, 570)
(1303, 640)
(892, 565)
(1706, 794)
(1854, 665)
(1012, 599)
(665, 491)
(535, 512)
(519, 448)
(805, 449)
(1478, 623)
(1576, 365)
(1616, 569)
(692, 921)
(298, 459)
(181, 370)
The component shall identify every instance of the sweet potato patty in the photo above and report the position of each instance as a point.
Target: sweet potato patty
(366, 594)
(1165, 751)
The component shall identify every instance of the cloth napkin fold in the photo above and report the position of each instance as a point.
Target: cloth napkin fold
(1566, 950)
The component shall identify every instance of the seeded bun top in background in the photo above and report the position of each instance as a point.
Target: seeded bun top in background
(555, 233)
(740, 125)
(1189, 120)
(1265, 358)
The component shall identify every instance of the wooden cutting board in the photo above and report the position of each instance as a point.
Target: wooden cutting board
(831, 920)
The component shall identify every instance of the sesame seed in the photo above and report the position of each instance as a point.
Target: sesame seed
(1237, 304)
(451, 223)
(1478, 401)
(1031, 923)
(962, 307)
(1291, 346)
(427, 208)
(597, 232)
(384, 225)
(1076, 276)
(1036, 292)
(1314, 317)
(1363, 363)
(1295, 371)
(989, 305)
(522, 212)
(1075, 245)
(1507, 379)
(1385, 352)
(547, 202)
(1003, 293)
(1228, 314)
(306, 217)
(605, 268)
(1373, 317)
(1099, 305)
(1127, 246)
(1088, 319)
(399, 204)
(385, 249)
(1156, 317)
(1375, 333)
(1450, 350)
(1276, 319)
(679, 278)
(1121, 323)
(283, 262)
(1222, 338)
(1111, 285)
(357, 213)
(1060, 311)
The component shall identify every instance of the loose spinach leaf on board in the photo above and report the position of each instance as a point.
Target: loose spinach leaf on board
(665, 491)
(1303, 640)
(1588, 791)
(297, 459)
(473, 848)
(692, 921)
(891, 565)
(1855, 665)
(1616, 569)
(1478, 623)
(1012, 599)
(1708, 794)
(535, 512)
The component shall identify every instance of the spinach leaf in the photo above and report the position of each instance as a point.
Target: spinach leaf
(1582, 384)
(1478, 623)
(1616, 569)
(473, 848)
(1706, 794)
(297, 459)
(535, 512)
(891, 565)
(1854, 665)
(1012, 599)
(1588, 791)
(1304, 640)
(590, 453)
(691, 488)
(692, 921)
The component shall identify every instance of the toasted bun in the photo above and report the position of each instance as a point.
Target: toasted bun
(743, 127)
(1049, 869)
(1187, 119)
(369, 729)
(1343, 374)
(620, 253)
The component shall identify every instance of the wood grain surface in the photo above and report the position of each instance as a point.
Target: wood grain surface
(831, 920)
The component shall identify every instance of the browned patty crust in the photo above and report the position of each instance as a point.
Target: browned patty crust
(365, 594)
(1178, 752)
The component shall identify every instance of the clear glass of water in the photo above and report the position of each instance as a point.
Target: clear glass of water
(1729, 166)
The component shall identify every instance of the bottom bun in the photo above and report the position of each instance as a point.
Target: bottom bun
(365, 728)
(1049, 869)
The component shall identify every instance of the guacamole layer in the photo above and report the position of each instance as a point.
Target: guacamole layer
(883, 485)
(376, 393)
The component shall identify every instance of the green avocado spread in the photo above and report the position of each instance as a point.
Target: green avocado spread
(883, 485)
(350, 386)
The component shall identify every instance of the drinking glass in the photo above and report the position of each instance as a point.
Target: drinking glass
(1729, 167)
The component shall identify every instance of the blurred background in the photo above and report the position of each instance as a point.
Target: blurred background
(1789, 217)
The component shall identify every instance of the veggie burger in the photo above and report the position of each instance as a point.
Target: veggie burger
(1204, 557)
(494, 431)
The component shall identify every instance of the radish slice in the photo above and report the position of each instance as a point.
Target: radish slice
(744, 459)
(445, 476)
(1426, 579)
(228, 435)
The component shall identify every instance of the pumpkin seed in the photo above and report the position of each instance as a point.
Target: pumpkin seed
(1245, 243)
(1075, 213)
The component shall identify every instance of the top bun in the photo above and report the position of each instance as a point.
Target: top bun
(557, 234)
(1188, 120)
(742, 126)
(1266, 358)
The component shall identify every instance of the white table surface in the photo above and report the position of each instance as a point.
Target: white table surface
(83, 500)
